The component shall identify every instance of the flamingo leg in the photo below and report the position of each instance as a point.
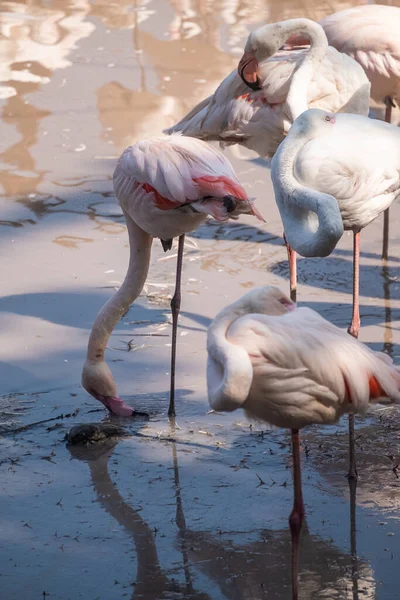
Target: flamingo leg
(353, 330)
(292, 270)
(385, 245)
(353, 536)
(355, 319)
(175, 307)
(297, 515)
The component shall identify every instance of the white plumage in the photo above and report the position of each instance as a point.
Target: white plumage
(166, 187)
(345, 161)
(370, 35)
(290, 367)
(154, 176)
(289, 82)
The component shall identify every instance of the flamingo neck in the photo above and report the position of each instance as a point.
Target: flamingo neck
(139, 260)
(296, 100)
(229, 369)
(312, 221)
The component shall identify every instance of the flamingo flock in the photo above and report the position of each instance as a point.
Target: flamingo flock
(304, 104)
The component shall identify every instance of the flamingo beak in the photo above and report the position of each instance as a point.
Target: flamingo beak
(255, 212)
(117, 406)
(248, 70)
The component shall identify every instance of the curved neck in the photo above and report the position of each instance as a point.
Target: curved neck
(296, 100)
(311, 219)
(229, 369)
(139, 260)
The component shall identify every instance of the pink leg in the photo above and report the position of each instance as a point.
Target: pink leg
(297, 514)
(353, 330)
(355, 319)
(292, 270)
(385, 245)
(175, 307)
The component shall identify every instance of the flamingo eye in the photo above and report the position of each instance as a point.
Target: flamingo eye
(327, 118)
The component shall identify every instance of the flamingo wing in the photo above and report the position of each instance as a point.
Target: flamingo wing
(358, 164)
(224, 114)
(258, 119)
(369, 34)
(176, 171)
(313, 376)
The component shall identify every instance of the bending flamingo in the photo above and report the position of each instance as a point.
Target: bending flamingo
(166, 187)
(256, 105)
(290, 367)
(370, 35)
(335, 172)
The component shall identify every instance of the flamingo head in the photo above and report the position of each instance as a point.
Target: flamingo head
(98, 381)
(261, 44)
(268, 300)
(248, 70)
(314, 123)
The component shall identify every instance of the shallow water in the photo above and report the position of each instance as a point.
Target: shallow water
(199, 511)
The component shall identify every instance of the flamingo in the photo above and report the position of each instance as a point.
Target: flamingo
(256, 105)
(335, 172)
(370, 35)
(289, 367)
(166, 187)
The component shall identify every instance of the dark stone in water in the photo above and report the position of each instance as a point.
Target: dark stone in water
(90, 433)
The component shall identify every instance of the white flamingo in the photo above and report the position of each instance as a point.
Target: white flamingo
(256, 105)
(335, 172)
(290, 367)
(370, 35)
(166, 187)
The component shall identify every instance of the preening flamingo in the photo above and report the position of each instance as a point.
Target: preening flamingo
(290, 367)
(256, 105)
(370, 35)
(335, 172)
(166, 187)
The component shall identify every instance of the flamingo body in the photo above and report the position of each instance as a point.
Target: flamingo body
(296, 368)
(166, 187)
(370, 35)
(260, 119)
(353, 161)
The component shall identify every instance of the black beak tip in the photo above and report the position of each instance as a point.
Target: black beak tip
(255, 86)
(229, 204)
(166, 244)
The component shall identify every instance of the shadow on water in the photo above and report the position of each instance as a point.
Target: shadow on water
(61, 308)
(334, 273)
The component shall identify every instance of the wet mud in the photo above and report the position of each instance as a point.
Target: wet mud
(195, 508)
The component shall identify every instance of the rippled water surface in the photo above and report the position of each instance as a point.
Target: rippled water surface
(198, 510)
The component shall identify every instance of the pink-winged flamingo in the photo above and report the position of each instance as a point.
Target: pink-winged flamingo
(370, 35)
(335, 172)
(256, 105)
(290, 367)
(166, 187)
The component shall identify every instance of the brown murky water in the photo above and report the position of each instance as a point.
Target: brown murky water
(199, 511)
